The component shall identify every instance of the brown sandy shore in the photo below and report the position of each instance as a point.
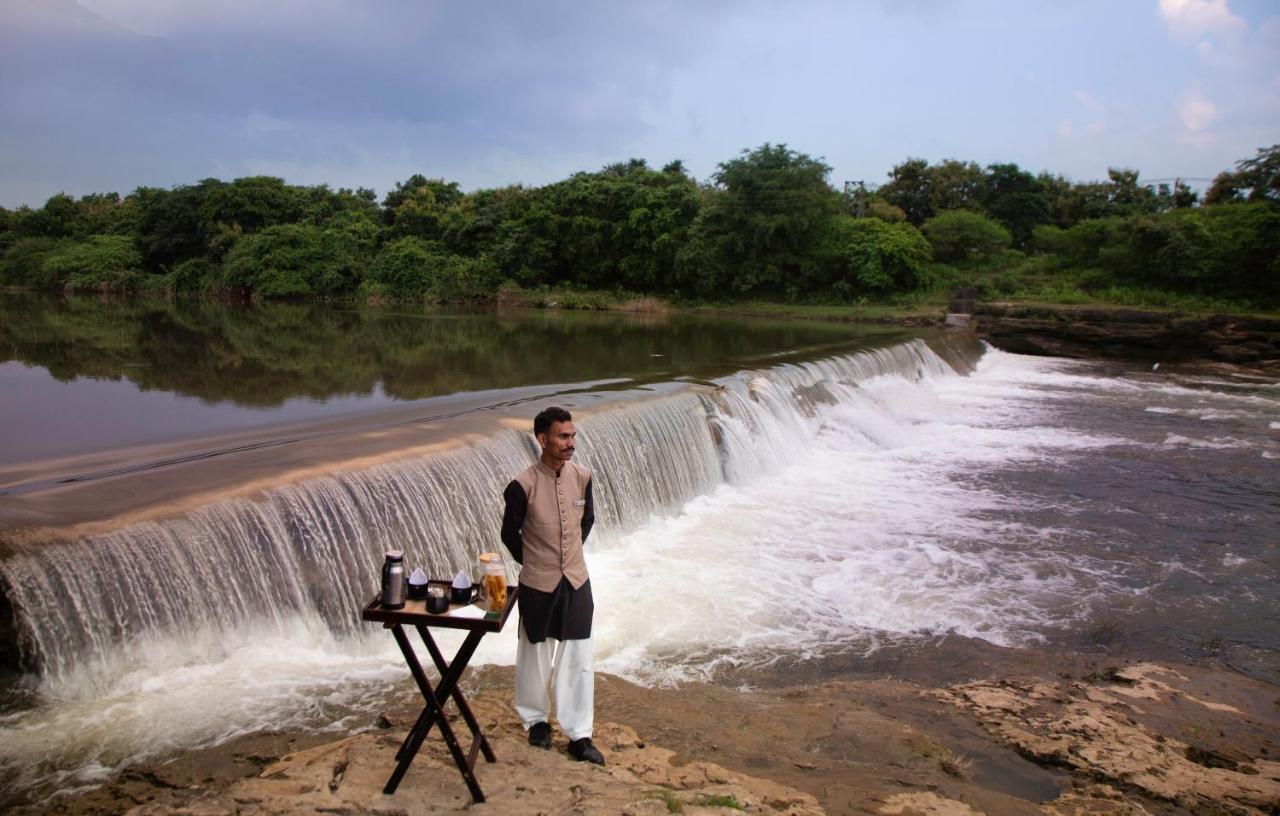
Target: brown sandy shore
(1054, 735)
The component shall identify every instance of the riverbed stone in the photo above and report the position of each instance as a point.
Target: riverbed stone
(1152, 748)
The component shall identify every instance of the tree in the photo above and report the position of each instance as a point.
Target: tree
(620, 227)
(955, 185)
(23, 262)
(418, 206)
(1168, 251)
(246, 206)
(1016, 199)
(101, 262)
(171, 224)
(1080, 245)
(411, 269)
(1244, 250)
(291, 260)
(960, 235)
(1256, 179)
(870, 256)
(909, 190)
(773, 201)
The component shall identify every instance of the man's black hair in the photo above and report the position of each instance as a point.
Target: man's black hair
(542, 422)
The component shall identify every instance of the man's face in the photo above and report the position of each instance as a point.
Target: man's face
(559, 441)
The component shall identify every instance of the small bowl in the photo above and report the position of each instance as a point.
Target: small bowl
(417, 592)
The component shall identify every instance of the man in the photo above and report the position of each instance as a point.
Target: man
(549, 513)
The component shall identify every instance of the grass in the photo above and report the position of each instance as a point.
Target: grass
(674, 805)
(669, 798)
(950, 762)
(909, 305)
(719, 800)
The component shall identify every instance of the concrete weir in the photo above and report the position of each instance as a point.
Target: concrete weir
(103, 553)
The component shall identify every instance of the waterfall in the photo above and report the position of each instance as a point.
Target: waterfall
(313, 549)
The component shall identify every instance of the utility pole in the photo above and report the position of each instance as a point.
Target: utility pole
(857, 190)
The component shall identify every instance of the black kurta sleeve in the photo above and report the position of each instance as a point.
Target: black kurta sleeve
(588, 514)
(513, 519)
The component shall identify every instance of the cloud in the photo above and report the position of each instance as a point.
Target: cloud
(1091, 104)
(1193, 19)
(1195, 110)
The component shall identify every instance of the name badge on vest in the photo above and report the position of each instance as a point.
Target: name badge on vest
(579, 502)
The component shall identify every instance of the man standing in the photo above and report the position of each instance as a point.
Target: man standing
(549, 513)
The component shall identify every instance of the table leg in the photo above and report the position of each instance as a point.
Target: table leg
(424, 719)
(458, 698)
(434, 712)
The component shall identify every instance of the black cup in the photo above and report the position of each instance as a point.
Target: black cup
(437, 604)
(462, 595)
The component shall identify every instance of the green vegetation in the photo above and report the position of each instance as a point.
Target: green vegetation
(675, 805)
(768, 226)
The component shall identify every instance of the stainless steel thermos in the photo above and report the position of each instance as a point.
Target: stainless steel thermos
(393, 580)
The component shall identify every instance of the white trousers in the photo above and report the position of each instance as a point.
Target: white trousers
(570, 664)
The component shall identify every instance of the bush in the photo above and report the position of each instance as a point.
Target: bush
(1095, 280)
(1168, 251)
(885, 211)
(23, 263)
(960, 235)
(290, 260)
(1079, 246)
(109, 263)
(1244, 250)
(869, 255)
(194, 275)
(412, 269)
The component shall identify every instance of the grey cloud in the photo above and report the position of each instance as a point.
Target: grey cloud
(400, 78)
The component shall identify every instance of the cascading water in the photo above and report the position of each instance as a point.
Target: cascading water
(312, 549)
(804, 510)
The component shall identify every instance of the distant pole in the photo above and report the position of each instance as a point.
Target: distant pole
(857, 192)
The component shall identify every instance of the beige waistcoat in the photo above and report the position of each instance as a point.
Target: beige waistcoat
(552, 531)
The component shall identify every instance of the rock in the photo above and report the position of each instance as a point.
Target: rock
(1081, 332)
(1092, 729)
(346, 776)
(925, 804)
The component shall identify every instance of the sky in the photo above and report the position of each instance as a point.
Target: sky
(110, 95)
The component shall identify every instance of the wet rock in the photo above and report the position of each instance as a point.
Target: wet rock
(1063, 331)
(1111, 733)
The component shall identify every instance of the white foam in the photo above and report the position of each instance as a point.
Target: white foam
(848, 529)
(1215, 442)
(873, 536)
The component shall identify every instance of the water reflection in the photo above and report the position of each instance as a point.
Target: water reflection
(130, 371)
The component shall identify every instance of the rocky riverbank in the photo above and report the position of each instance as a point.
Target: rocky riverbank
(1157, 336)
(1088, 738)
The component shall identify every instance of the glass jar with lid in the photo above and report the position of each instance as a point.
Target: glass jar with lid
(493, 583)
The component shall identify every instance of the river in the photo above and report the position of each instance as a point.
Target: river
(770, 493)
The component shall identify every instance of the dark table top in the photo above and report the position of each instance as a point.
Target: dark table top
(415, 613)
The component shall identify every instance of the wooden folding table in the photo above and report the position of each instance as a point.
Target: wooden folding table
(416, 615)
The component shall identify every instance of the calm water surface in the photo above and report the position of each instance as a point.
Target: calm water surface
(80, 375)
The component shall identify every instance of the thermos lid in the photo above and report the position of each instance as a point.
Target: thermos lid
(395, 555)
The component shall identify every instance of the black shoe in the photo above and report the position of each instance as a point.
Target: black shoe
(583, 751)
(540, 735)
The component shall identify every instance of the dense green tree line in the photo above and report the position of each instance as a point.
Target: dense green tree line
(767, 224)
